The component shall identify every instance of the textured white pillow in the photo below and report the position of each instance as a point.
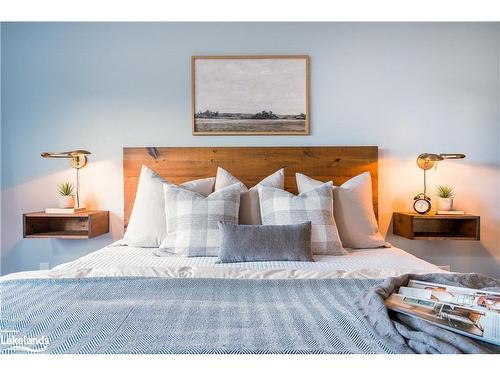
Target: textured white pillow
(353, 210)
(279, 207)
(146, 227)
(193, 219)
(249, 203)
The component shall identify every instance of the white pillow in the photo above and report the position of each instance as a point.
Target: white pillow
(353, 210)
(279, 207)
(146, 227)
(193, 219)
(249, 203)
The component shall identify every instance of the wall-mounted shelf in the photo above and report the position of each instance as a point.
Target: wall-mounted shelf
(436, 227)
(78, 226)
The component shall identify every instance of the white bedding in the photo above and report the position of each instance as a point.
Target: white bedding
(114, 260)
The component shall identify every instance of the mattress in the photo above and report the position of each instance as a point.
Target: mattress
(118, 261)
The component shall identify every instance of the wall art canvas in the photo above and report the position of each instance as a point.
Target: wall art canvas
(250, 95)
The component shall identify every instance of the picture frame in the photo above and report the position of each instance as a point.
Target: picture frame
(250, 95)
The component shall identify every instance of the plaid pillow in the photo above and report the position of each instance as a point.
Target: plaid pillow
(279, 207)
(192, 219)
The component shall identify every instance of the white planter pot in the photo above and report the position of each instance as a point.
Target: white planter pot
(66, 201)
(445, 204)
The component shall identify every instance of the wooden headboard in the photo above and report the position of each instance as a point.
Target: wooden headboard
(249, 164)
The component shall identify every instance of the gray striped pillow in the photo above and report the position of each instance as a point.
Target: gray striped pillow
(192, 219)
(279, 207)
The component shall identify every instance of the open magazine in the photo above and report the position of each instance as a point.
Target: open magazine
(470, 312)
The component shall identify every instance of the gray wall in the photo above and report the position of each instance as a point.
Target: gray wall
(407, 88)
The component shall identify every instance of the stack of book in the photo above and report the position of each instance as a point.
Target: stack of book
(454, 212)
(64, 210)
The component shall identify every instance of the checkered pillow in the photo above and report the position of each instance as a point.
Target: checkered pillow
(279, 207)
(192, 219)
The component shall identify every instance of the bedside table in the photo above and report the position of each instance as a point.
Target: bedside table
(79, 226)
(436, 227)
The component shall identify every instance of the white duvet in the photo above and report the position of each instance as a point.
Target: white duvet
(115, 261)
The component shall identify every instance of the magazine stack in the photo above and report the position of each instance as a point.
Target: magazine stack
(470, 312)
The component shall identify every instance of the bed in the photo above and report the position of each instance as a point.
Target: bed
(125, 299)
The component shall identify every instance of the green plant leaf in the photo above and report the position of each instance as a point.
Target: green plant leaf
(66, 189)
(445, 191)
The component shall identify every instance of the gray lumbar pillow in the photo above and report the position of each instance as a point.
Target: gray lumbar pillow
(249, 243)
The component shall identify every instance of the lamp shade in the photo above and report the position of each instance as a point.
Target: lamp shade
(65, 154)
(427, 160)
(78, 158)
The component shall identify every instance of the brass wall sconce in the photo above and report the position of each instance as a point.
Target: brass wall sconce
(427, 161)
(77, 160)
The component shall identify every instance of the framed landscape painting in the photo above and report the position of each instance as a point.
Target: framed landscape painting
(250, 95)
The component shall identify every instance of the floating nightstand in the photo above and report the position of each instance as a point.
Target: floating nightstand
(78, 226)
(436, 227)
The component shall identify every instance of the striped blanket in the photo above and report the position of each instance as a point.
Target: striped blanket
(160, 315)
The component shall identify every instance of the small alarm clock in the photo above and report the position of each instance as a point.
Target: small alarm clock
(422, 204)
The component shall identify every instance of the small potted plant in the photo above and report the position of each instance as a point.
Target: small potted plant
(66, 195)
(445, 200)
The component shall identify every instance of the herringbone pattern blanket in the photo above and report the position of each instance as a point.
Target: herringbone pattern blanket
(160, 315)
